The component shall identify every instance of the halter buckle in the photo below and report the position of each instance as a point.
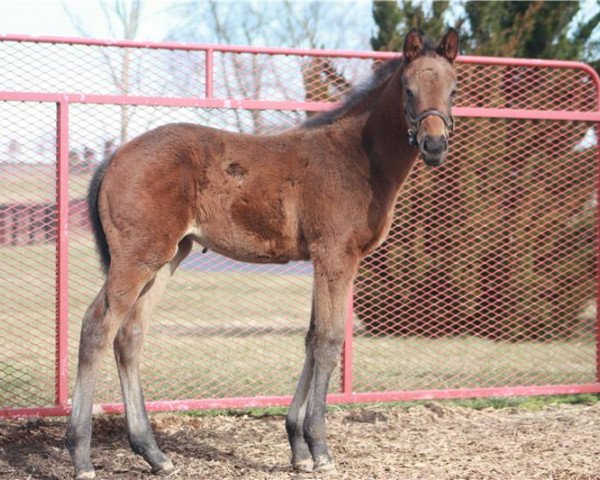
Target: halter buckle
(412, 137)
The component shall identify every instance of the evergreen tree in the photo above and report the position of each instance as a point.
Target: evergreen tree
(526, 29)
(413, 288)
(388, 17)
(529, 29)
(393, 19)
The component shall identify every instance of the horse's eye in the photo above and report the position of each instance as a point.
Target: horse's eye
(409, 93)
(453, 94)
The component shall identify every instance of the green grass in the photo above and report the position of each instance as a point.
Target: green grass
(528, 403)
(37, 188)
(523, 403)
(254, 412)
(241, 334)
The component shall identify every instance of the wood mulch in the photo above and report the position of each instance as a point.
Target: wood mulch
(432, 441)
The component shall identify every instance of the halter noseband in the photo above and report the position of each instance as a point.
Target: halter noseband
(415, 123)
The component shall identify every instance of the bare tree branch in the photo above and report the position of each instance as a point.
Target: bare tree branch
(129, 16)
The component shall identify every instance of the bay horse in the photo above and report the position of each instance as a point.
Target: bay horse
(323, 191)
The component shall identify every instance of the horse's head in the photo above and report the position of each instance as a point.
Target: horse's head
(429, 84)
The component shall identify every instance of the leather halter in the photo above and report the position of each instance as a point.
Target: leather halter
(415, 123)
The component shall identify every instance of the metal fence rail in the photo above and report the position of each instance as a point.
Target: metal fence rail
(486, 286)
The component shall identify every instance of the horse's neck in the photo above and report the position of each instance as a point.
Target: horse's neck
(385, 137)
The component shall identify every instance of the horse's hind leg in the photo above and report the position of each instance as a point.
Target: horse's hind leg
(79, 430)
(127, 345)
(100, 324)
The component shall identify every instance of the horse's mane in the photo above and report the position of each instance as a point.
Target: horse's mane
(356, 94)
(363, 90)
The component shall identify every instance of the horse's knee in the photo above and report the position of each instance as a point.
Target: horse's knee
(94, 329)
(327, 348)
(93, 342)
(127, 340)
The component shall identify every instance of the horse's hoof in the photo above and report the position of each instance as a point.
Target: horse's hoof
(303, 466)
(85, 475)
(325, 466)
(164, 468)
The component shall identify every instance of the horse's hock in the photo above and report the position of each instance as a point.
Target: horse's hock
(486, 286)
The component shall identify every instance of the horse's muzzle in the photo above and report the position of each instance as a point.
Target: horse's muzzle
(434, 150)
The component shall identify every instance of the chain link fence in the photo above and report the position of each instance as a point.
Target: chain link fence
(486, 285)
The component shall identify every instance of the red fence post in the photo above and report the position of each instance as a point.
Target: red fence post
(596, 79)
(347, 352)
(598, 245)
(209, 73)
(62, 259)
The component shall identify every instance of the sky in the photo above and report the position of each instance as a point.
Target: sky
(50, 18)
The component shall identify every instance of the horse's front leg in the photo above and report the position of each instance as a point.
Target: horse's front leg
(334, 275)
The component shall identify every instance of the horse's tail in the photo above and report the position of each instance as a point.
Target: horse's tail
(95, 220)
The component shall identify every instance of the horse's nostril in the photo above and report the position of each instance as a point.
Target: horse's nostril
(435, 145)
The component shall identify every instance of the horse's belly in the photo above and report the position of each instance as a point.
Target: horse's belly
(252, 257)
(252, 219)
(247, 246)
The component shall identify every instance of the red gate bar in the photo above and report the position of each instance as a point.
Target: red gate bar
(335, 398)
(281, 105)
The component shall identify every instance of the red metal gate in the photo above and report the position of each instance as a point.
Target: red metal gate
(487, 284)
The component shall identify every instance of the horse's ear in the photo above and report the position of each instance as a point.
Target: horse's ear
(413, 45)
(448, 46)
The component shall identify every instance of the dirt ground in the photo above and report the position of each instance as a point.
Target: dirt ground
(432, 441)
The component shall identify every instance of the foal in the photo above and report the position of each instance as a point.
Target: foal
(323, 191)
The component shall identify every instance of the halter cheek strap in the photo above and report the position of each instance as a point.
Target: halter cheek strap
(415, 123)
